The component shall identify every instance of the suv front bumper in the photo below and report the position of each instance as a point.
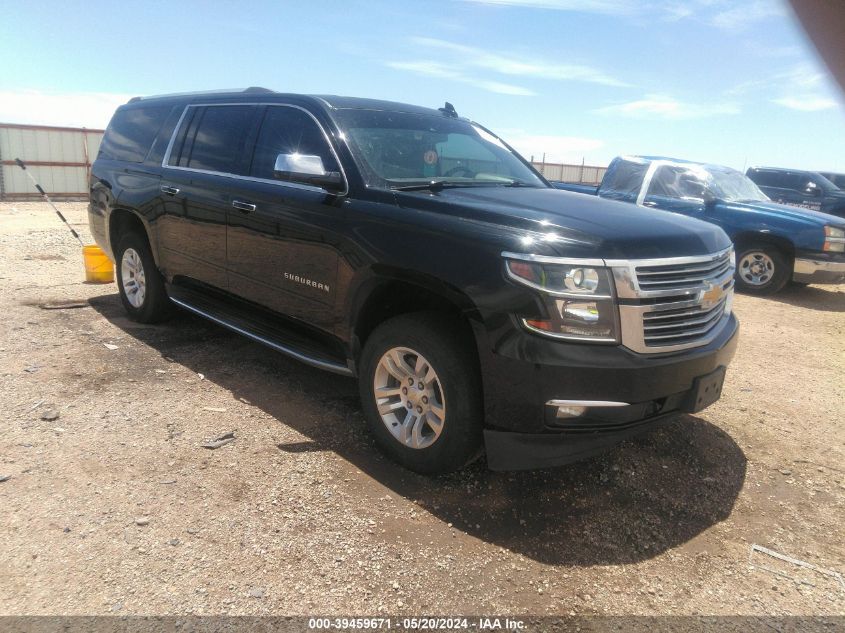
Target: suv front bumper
(527, 372)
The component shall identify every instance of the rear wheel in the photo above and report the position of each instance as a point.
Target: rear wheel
(140, 283)
(761, 269)
(421, 394)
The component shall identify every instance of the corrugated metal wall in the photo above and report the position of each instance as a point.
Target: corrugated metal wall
(60, 159)
(587, 174)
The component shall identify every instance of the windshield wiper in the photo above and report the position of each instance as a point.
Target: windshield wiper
(436, 185)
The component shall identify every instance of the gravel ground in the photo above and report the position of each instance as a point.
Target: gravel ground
(112, 506)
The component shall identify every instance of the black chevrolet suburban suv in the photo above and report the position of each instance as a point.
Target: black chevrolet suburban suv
(479, 307)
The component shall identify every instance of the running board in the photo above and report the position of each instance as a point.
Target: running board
(295, 346)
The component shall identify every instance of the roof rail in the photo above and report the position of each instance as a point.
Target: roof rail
(250, 90)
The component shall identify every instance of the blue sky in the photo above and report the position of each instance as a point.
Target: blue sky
(734, 82)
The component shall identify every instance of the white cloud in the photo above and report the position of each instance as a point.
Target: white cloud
(607, 7)
(728, 15)
(665, 107)
(557, 149)
(801, 87)
(78, 109)
(743, 14)
(512, 65)
(433, 69)
(807, 103)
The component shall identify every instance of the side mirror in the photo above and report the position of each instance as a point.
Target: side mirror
(307, 169)
(812, 190)
(709, 198)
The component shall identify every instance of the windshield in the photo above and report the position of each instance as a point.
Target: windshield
(732, 186)
(398, 149)
(691, 182)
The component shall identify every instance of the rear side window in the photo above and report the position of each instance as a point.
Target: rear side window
(623, 180)
(131, 133)
(287, 130)
(777, 179)
(215, 138)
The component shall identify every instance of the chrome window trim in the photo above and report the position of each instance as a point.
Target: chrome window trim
(294, 185)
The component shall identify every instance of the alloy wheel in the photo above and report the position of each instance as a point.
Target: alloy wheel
(409, 397)
(133, 277)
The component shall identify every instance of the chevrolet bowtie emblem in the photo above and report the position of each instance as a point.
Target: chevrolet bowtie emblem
(712, 295)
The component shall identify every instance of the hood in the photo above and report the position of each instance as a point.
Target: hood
(798, 214)
(572, 224)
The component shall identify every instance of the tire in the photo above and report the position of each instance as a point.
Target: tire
(145, 300)
(444, 431)
(761, 269)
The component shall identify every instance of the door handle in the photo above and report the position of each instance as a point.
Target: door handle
(649, 204)
(170, 191)
(243, 206)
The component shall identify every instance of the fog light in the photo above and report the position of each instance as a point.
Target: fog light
(570, 411)
(576, 408)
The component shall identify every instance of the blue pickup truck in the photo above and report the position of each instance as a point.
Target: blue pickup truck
(775, 243)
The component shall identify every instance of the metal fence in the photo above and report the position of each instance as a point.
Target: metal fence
(586, 174)
(60, 159)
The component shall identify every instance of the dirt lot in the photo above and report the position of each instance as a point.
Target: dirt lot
(113, 507)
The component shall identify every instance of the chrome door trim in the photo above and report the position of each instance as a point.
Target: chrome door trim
(294, 185)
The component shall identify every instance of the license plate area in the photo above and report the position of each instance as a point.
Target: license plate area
(706, 390)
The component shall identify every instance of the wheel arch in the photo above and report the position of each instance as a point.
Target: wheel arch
(122, 221)
(746, 238)
(387, 293)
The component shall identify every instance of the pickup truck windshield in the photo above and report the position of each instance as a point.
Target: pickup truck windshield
(732, 186)
(398, 149)
(691, 182)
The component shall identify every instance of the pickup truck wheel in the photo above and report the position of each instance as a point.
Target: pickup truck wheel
(761, 269)
(139, 281)
(421, 393)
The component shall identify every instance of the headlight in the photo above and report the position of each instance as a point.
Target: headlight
(559, 279)
(834, 240)
(578, 299)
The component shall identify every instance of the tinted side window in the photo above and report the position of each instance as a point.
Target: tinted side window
(216, 138)
(623, 180)
(131, 133)
(287, 130)
(777, 179)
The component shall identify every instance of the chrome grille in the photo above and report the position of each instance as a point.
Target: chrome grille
(681, 276)
(673, 304)
(673, 325)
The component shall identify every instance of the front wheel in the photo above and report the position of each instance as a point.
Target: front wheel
(761, 269)
(421, 393)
